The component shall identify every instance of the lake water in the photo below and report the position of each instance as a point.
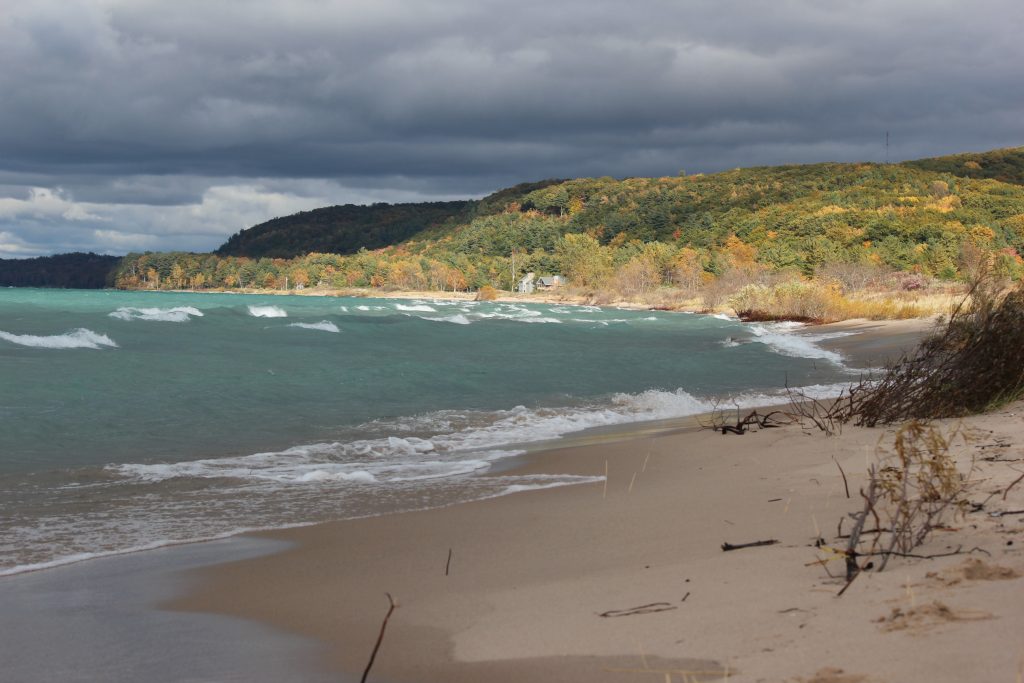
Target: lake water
(132, 420)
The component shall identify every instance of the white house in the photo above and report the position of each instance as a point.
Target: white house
(526, 284)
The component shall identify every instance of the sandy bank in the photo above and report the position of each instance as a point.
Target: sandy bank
(626, 580)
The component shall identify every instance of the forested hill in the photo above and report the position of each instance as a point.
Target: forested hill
(698, 209)
(1004, 165)
(341, 229)
(70, 271)
(347, 229)
(930, 216)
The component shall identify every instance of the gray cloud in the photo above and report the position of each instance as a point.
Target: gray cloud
(148, 124)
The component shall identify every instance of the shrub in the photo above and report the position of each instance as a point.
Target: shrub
(486, 293)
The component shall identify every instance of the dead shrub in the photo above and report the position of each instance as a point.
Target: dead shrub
(970, 365)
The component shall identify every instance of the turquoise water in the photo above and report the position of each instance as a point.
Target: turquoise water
(134, 419)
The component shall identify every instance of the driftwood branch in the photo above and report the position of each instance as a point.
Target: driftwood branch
(642, 609)
(776, 418)
(380, 638)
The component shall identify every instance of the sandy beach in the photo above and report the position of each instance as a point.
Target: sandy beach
(626, 580)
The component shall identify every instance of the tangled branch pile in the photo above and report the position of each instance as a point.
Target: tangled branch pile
(976, 362)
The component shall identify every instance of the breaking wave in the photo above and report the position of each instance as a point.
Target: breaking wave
(323, 325)
(780, 338)
(179, 314)
(445, 443)
(76, 339)
(267, 312)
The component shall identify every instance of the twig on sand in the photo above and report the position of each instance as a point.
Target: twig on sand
(726, 547)
(642, 609)
(846, 484)
(1012, 484)
(380, 637)
(448, 564)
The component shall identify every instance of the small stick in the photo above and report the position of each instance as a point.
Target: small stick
(380, 638)
(1015, 482)
(846, 484)
(726, 547)
(448, 564)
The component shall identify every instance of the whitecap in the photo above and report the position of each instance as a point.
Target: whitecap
(423, 308)
(76, 339)
(323, 325)
(178, 314)
(267, 312)
(458, 319)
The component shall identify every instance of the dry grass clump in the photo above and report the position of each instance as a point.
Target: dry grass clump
(974, 363)
(818, 302)
(913, 489)
(917, 484)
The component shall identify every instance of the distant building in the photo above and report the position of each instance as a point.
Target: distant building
(526, 284)
(549, 283)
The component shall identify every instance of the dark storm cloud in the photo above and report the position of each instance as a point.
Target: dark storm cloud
(153, 124)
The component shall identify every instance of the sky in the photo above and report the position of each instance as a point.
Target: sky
(133, 125)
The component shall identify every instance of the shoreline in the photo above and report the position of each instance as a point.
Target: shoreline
(604, 581)
(553, 297)
(867, 346)
(589, 582)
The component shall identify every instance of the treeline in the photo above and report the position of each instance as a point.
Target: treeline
(70, 271)
(687, 231)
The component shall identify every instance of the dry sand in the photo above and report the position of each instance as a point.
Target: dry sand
(626, 580)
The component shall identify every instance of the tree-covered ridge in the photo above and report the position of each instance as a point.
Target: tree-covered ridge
(340, 229)
(639, 233)
(793, 216)
(1005, 165)
(69, 271)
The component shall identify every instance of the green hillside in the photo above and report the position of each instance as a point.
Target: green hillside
(1004, 165)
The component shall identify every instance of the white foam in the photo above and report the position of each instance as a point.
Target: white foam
(458, 319)
(572, 308)
(76, 339)
(323, 325)
(446, 444)
(416, 307)
(779, 338)
(519, 488)
(178, 314)
(723, 316)
(267, 312)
